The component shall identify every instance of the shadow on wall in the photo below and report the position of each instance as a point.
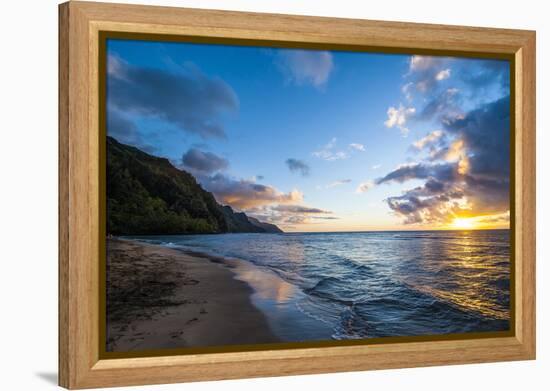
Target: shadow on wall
(48, 377)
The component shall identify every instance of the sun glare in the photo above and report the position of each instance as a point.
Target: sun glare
(463, 223)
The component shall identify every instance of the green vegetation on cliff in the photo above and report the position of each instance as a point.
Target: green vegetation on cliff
(147, 195)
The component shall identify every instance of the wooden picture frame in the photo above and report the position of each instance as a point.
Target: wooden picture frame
(80, 26)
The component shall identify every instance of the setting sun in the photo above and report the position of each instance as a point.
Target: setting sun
(463, 223)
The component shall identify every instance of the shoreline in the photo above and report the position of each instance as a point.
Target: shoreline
(159, 298)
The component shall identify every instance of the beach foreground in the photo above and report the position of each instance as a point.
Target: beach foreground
(356, 285)
(252, 288)
(160, 298)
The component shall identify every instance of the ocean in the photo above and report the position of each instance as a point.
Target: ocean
(318, 286)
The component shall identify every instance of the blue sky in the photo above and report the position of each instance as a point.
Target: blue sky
(317, 140)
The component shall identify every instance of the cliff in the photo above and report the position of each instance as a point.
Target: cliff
(147, 195)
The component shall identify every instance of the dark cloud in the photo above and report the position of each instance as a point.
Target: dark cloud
(477, 81)
(486, 133)
(482, 78)
(188, 99)
(490, 73)
(434, 186)
(467, 166)
(434, 202)
(125, 131)
(295, 165)
(445, 104)
(488, 195)
(468, 174)
(121, 128)
(416, 210)
(442, 171)
(201, 162)
(438, 202)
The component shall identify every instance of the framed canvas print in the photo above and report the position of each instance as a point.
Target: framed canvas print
(248, 195)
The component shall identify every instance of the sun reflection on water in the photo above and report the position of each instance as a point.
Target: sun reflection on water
(460, 275)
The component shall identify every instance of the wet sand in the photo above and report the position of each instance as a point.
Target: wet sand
(159, 298)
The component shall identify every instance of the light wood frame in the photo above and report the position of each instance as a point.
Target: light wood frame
(80, 365)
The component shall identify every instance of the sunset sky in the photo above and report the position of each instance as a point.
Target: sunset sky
(323, 141)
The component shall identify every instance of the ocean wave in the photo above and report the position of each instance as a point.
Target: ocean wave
(380, 284)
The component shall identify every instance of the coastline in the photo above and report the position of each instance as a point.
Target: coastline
(261, 289)
(159, 298)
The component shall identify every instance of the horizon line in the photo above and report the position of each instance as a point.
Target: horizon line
(397, 230)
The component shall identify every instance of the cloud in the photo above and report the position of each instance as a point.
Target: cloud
(263, 202)
(406, 90)
(201, 162)
(329, 152)
(442, 106)
(187, 99)
(125, 131)
(427, 71)
(466, 170)
(442, 75)
(290, 215)
(434, 186)
(438, 100)
(244, 194)
(441, 202)
(398, 117)
(469, 171)
(418, 63)
(430, 140)
(339, 183)
(491, 73)
(357, 147)
(121, 128)
(364, 187)
(406, 172)
(485, 131)
(481, 79)
(299, 209)
(115, 66)
(305, 66)
(376, 166)
(426, 210)
(295, 165)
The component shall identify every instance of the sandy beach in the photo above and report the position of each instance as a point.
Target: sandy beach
(159, 298)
